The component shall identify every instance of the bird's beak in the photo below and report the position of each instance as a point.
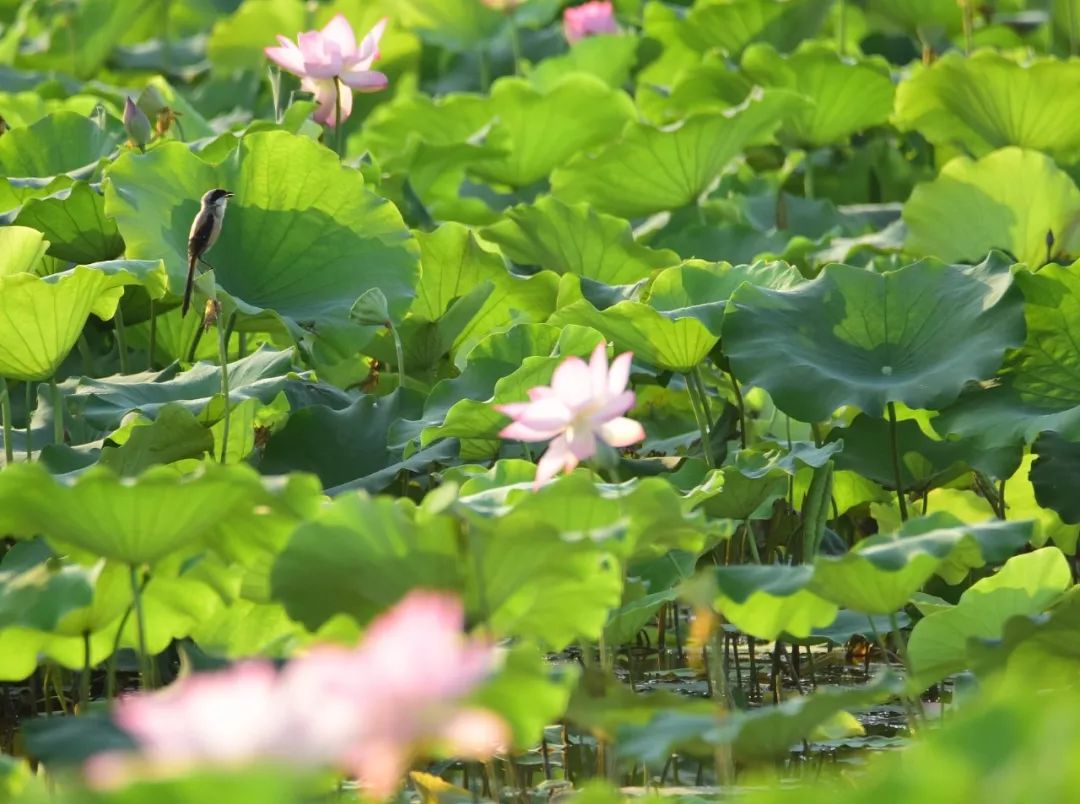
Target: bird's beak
(229, 195)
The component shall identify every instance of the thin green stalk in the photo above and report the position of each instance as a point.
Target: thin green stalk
(241, 345)
(140, 627)
(901, 644)
(485, 71)
(223, 358)
(58, 411)
(751, 541)
(897, 477)
(84, 679)
(28, 420)
(1070, 17)
(274, 74)
(121, 340)
(88, 361)
(699, 415)
(725, 763)
(743, 435)
(706, 405)
(515, 42)
(841, 28)
(339, 136)
(166, 48)
(808, 177)
(195, 341)
(110, 682)
(399, 352)
(5, 411)
(153, 338)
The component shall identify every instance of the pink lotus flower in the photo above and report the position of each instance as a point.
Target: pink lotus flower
(367, 710)
(326, 59)
(589, 19)
(583, 403)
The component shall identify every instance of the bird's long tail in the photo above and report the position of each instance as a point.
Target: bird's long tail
(189, 287)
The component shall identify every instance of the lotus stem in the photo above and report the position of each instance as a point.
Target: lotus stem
(153, 338)
(166, 50)
(5, 411)
(841, 28)
(744, 437)
(223, 358)
(140, 627)
(896, 463)
(338, 134)
(28, 418)
(699, 416)
(1070, 22)
(485, 71)
(399, 351)
(121, 340)
(274, 74)
(84, 679)
(515, 41)
(58, 411)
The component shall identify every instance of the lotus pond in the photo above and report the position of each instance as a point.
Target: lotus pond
(581, 400)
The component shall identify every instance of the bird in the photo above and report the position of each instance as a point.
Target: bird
(204, 233)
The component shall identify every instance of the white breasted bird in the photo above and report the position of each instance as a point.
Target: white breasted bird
(204, 233)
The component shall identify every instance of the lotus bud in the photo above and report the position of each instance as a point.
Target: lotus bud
(137, 124)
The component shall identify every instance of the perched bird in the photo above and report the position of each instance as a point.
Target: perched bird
(204, 233)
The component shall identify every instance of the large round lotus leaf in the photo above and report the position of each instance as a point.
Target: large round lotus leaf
(652, 169)
(1039, 387)
(1025, 586)
(676, 342)
(136, 521)
(576, 239)
(364, 554)
(73, 220)
(21, 249)
(41, 318)
(849, 95)
(915, 16)
(764, 601)
(237, 41)
(64, 142)
(987, 101)
(453, 24)
(1055, 475)
(882, 572)
(303, 238)
(37, 590)
(730, 26)
(1010, 199)
(541, 130)
(856, 337)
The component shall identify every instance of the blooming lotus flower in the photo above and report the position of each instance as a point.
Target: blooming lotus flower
(367, 710)
(589, 19)
(326, 59)
(583, 403)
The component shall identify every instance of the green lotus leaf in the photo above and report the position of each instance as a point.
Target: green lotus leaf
(674, 344)
(237, 41)
(21, 109)
(358, 435)
(1054, 473)
(454, 263)
(22, 247)
(740, 492)
(731, 25)
(625, 622)
(141, 442)
(36, 590)
(1050, 636)
(96, 25)
(915, 16)
(105, 402)
(925, 463)
(367, 554)
(528, 581)
(1038, 388)
(672, 167)
(881, 573)
(41, 318)
(245, 629)
(855, 337)
(539, 131)
(74, 222)
(702, 290)
(1009, 199)
(1026, 585)
(64, 142)
(454, 24)
(111, 598)
(302, 240)
(848, 95)
(764, 601)
(607, 57)
(755, 735)
(135, 521)
(988, 101)
(576, 239)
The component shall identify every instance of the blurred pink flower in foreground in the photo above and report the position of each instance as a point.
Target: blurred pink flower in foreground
(328, 58)
(366, 710)
(583, 403)
(589, 19)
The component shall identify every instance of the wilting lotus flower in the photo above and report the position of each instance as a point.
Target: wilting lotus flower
(366, 710)
(589, 19)
(583, 403)
(326, 59)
